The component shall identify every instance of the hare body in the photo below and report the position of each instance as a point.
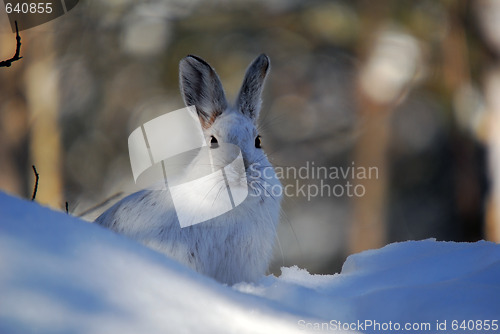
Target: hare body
(237, 245)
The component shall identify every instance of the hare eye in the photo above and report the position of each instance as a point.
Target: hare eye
(213, 142)
(258, 142)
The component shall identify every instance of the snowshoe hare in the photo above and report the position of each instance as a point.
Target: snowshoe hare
(237, 245)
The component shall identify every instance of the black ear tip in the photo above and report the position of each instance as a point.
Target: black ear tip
(191, 59)
(263, 61)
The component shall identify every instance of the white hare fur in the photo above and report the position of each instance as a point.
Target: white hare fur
(233, 247)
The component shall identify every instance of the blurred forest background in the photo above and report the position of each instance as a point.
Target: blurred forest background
(409, 87)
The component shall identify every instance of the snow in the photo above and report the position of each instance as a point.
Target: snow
(414, 282)
(59, 274)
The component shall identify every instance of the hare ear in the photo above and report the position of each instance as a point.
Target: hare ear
(249, 98)
(201, 87)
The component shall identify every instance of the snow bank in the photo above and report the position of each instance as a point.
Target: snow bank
(59, 274)
(417, 286)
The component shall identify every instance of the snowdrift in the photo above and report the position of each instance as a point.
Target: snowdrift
(59, 274)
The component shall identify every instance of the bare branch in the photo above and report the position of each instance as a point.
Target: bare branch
(35, 189)
(8, 62)
(100, 205)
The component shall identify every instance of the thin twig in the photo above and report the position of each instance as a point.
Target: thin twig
(8, 62)
(95, 207)
(35, 189)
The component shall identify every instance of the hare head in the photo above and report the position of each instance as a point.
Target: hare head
(225, 123)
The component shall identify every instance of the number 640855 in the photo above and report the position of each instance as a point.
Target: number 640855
(29, 8)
